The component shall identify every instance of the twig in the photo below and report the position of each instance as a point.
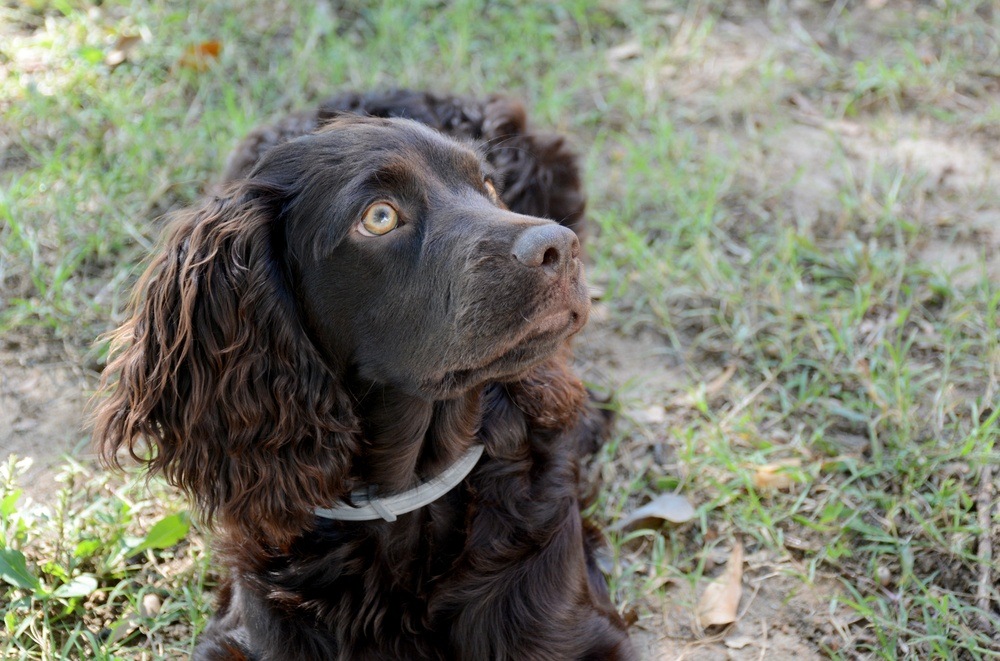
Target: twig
(984, 508)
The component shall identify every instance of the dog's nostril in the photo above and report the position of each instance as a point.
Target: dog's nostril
(551, 257)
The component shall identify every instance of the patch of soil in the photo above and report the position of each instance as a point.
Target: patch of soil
(780, 616)
(42, 414)
(641, 366)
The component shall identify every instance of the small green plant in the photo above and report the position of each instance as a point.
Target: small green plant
(78, 582)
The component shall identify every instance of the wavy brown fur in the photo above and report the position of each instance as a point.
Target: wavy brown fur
(277, 358)
(240, 410)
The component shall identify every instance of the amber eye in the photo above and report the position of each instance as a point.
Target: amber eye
(380, 218)
(492, 190)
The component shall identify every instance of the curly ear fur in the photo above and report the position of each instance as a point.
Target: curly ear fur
(216, 374)
(540, 175)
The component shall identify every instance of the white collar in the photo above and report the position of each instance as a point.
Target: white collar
(365, 506)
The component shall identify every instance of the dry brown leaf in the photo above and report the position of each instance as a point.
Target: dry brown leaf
(668, 506)
(776, 476)
(720, 602)
(119, 52)
(199, 56)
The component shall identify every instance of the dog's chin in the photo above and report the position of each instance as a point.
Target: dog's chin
(509, 358)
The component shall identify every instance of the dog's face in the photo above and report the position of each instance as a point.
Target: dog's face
(407, 266)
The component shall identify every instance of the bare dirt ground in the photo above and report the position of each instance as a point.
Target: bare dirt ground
(43, 397)
(781, 618)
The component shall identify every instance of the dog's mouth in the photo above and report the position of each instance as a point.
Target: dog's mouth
(563, 323)
(533, 343)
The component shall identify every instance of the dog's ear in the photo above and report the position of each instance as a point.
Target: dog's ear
(539, 172)
(213, 382)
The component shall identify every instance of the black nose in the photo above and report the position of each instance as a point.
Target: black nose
(551, 246)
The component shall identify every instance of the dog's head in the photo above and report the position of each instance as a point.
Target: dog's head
(375, 248)
(409, 268)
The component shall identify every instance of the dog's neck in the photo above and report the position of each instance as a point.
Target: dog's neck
(408, 439)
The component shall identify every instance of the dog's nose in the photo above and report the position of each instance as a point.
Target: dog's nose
(551, 246)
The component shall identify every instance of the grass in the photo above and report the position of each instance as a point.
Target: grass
(815, 279)
(108, 569)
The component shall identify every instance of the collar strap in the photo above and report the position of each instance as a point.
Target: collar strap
(366, 506)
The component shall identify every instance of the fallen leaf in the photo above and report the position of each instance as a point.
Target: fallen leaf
(776, 476)
(669, 507)
(119, 52)
(721, 600)
(199, 56)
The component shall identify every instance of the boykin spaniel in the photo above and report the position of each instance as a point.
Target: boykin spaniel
(354, 360)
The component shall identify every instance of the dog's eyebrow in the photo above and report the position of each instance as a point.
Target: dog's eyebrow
(396, 174)
(404, 173)
(473, 164)
(464, 157)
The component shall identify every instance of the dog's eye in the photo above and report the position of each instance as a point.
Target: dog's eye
(492, 190)
(380, 218)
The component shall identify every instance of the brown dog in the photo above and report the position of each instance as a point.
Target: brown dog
(339, 336)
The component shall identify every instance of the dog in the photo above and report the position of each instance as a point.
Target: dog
(354, 360)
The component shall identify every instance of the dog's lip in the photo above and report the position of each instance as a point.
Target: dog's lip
(535, 341)
(553, 323)
(562, 322)
(538, 341)
(515, 357)
(558, 324)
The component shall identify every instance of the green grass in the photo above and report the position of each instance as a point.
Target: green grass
(856, 354)
(107, 566)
